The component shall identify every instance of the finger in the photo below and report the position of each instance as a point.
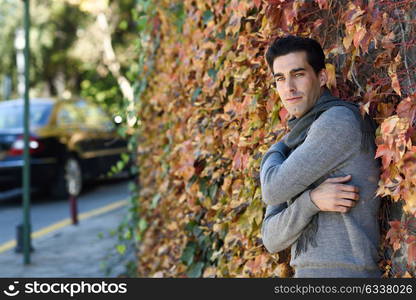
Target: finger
(339, 179)
(346, 203)
(348, 188)
(342, 209)
(349, 195)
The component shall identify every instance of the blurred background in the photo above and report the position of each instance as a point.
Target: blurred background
(84, 60)
(78, 48)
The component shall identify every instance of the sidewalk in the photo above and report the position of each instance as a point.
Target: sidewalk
(83, 250)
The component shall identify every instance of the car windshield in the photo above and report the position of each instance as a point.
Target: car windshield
(11, 116)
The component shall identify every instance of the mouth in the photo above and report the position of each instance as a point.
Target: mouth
(293, 99)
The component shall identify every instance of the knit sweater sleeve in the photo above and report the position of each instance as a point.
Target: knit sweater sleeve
(282, 224)
(332, 139)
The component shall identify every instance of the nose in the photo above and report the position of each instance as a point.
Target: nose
(290, 85)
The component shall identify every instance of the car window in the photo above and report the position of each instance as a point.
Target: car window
(95, 117)
(11, 116)
(69, 114)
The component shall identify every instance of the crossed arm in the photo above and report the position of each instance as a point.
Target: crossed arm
(331, 141)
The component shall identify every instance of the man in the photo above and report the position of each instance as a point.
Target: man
(332, 227)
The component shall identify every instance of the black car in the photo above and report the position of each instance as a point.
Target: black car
(71, 141)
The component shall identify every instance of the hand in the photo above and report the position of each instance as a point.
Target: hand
(332, 195)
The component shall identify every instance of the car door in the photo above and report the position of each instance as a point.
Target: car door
(109, 145)
(72, 132)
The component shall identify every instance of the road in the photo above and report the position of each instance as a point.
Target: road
(45, 212)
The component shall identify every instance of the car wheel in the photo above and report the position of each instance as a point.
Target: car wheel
(69, 181)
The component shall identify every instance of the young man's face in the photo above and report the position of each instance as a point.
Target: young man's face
(297, 83)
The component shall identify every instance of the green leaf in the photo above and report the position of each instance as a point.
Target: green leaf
(125, 157)
(221, 35)
(275, 115)
(127, 235)
(213, 190)
(142, 23)
(196, 231)
(142, 225)
(195, 270)
(196, 94)
(120, 165)
(155, 200)
(188, 253)
(123, 25)
(190, 226)
(121, 249)
(212, 73)
(179, 15)
(207, 16)
(203, 186)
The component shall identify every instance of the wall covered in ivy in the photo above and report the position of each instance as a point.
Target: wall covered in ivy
(209, 112)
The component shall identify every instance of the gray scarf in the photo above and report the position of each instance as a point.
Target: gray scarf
(298, 132)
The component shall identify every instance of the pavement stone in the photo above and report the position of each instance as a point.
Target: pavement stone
(86, 250)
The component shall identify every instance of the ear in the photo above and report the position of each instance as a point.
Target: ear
(323, 77)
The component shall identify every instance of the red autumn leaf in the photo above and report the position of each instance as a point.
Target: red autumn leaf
(317, 24)
(237, 160)
(283, 114)
(353, 14)
(365, 41)
(407, 109)
(274, 2)
(358, 36)
(411, 250)
(395, 234)
(323, 4)
(395, 84)
(386, 154)
(388, 125)
(396, 225)
(411, 239)
(377, 22)
(387, 41)
(383, 59)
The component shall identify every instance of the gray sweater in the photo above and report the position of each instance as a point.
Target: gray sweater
(346, 243)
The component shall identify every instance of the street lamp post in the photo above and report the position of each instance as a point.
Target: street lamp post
(22, 47)
(26, 167)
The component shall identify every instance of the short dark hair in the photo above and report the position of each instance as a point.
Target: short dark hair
(288, 44)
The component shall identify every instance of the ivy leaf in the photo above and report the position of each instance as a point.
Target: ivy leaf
(207, 16)
(392, 71)
(195, 270)
(323, 4)
(386, 154)
(195, 94)
(407, 109)
(283, 114)
(121, 249)
(212, 73)
(188, 253)
(411, 250)
(332, 81)
(142, 224)
(359, 35)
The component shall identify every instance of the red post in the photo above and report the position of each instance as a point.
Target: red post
(74, 210)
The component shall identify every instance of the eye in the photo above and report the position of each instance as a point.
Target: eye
(279, 79)
(299, 74)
